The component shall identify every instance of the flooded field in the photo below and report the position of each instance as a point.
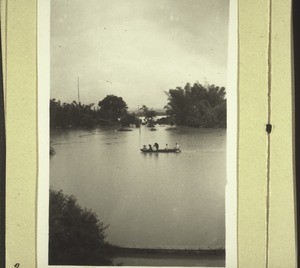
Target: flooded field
(174, 200)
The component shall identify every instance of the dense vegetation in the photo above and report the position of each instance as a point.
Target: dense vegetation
(198, 105)
(194, 106)
(73, 114)
(112, 107)
(149, 116)
(76, 235)
(108, 111)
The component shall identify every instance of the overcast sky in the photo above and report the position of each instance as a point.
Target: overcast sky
(136, 49)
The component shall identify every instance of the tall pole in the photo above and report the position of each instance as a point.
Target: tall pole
(139, 119)
(78, 89)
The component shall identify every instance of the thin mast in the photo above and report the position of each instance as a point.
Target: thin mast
(139, 121)
(78, 89)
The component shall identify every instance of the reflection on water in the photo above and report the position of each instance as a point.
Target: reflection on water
(174, 200)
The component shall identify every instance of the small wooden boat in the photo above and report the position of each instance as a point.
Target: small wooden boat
(161, 151)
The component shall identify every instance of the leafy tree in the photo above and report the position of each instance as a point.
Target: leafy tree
(149, 115)
(128, 119)
(195, 113)
(76, 236)
(220, 111)
(177, 105)
(215, 95)
(87, 120)
(209, 119)
(56, 114)
(112, 107)
(197, 105)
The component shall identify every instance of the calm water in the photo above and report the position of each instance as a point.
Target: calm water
(149, 200)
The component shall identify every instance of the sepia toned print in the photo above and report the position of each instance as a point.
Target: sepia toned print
(138, 132)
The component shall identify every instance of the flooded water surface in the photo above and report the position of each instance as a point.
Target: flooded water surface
(157, 200)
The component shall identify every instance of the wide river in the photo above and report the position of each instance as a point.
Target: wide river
(174, 200)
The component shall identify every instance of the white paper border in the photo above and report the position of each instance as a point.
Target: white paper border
(232, 139)
(43, 30)
(43, 62)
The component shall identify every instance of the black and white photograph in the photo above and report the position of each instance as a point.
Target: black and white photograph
(138, 116)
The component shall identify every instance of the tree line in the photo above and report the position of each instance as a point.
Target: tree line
(194, 106)
(110, 110)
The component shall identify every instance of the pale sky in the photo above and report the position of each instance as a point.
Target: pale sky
(136, 49)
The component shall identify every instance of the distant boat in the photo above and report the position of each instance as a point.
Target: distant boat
(161, 151)
(153, 129)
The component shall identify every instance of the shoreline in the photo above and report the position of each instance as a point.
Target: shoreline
(120, 251)
(168, 257)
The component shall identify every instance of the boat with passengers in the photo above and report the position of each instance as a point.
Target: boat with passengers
(161, 151)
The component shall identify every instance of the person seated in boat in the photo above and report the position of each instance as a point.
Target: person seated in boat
(177, 147)
(167, 147)
(150, 147)
(144, 147)
(156, 146)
